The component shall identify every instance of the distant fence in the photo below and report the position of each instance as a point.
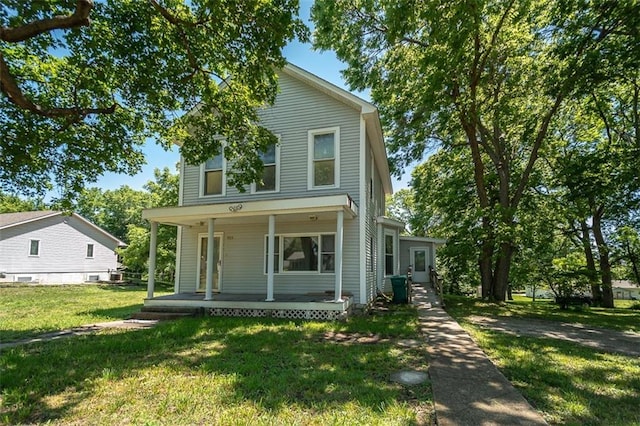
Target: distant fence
(140, 278)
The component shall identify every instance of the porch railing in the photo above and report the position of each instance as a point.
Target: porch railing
(436, 282)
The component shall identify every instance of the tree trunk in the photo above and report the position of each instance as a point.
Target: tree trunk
(501, 273)
(605, 265)
(596, 291)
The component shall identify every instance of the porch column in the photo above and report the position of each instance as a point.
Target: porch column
(338, 261)
(151, 282)
(270, 257)
(210, 248)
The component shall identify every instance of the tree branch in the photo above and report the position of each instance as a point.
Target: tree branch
(10, 88)
(79, 18)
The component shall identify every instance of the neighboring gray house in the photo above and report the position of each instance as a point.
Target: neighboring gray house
(49, 247)
(310, 240)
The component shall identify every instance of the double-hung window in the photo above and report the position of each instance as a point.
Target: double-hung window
(34, 247)
(213, 179)
(389, 258)
(302, 253)
(324, 158)
(90, 250)
(270, 181)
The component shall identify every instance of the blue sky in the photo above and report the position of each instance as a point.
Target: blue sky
(322, 64)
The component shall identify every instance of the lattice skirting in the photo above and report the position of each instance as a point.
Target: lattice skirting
(314, 314)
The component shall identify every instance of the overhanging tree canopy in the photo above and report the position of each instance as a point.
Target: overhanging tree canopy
(488, 74)
(83, 86)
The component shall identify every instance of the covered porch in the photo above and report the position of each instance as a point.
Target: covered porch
(211, 219)
(321, 306)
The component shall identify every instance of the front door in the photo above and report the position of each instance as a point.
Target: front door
(419, 259)
(202, 262)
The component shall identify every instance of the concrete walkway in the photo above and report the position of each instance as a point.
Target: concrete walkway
(467, 388)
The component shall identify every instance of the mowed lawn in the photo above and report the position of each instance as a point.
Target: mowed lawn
(28, 310)
(569, 383)
(218, 371)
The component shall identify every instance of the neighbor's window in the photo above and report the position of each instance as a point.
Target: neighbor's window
(388, 255)
(269, 180)
(89, 250)
(213, 171)
(324, 157)
(34, 247)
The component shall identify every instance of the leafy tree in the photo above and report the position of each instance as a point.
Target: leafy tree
(84, 86)
(401, 206)
(492, 75)
(10, 203)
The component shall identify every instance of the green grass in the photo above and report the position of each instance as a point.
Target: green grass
(568, 383)
(31, 310)
(221, 371)
(619, 318)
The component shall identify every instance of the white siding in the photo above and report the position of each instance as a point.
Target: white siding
(298, 109)
(63, 251)
(243, 258)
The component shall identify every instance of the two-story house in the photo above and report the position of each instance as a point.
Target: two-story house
(310, 240)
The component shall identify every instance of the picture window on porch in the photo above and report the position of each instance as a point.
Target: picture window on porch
(302, 253)
(389, 258)
(213, 176)
(324, 158)
(270, 181)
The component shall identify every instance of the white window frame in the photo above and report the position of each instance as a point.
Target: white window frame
(280, 248)
(93, 247)
(224, 178)
(254, 187)
(29, 248)
(336, 157)
(392, 234)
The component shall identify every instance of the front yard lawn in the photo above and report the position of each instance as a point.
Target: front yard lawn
(29, 310)
(220, 371)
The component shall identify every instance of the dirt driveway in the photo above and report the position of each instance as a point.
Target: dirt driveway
(606, 340)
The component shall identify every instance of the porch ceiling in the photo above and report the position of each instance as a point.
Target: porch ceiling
(259, 210)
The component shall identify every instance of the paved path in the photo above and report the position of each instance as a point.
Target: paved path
(606, 340)
(79, 331)
(467, 388)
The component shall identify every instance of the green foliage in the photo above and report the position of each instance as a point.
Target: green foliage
(483, 81)
(10, 203)
(81, 98)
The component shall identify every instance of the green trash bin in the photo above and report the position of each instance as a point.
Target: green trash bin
(399, 284)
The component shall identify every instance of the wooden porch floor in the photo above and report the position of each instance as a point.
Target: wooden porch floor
(238, 297)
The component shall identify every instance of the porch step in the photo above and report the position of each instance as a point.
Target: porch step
(166, 313)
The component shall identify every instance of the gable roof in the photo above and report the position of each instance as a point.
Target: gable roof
(368, 110)
(9, 220)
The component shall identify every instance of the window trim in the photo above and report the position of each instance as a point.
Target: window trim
(224, 178)
(336, 157)
(29, 247)
(280, 249)
(392, 234)
(254, 189)
(92, 251)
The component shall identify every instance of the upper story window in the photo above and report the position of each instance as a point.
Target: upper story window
(213, 176)
(90, 250)
(34, 247)
(324, 158)
(270, 181)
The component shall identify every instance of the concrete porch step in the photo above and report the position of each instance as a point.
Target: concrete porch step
(166, 313)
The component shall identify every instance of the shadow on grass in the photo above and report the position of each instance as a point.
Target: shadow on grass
(272, 363)
(615, 318)
(571, 384)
